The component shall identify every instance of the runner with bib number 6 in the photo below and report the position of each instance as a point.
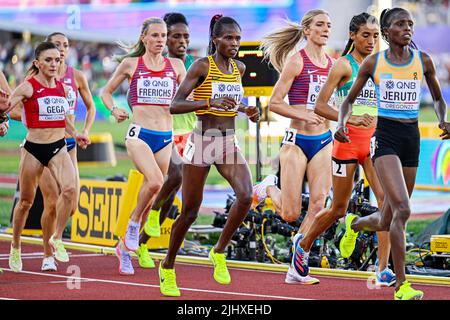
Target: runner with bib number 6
(153, 82)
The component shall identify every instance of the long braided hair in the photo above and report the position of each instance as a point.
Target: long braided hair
(356, 22)
(216, 28)
(386, 20)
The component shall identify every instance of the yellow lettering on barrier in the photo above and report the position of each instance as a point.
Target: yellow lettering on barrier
(97, 211)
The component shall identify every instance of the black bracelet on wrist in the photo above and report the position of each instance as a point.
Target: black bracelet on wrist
(4, 117)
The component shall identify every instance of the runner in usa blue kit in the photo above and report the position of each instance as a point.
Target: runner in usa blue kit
(153, 81)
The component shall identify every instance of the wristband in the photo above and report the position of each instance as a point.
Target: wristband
(112, 110)
(4, 117)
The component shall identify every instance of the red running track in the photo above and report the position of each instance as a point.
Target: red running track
(98, 279)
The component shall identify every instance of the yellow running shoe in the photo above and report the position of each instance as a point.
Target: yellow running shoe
(406, 292)
(145, 261)
(221, 274)
(60, 252)
(348, 241)
(15, 261)
(168, 282)
(152, 227)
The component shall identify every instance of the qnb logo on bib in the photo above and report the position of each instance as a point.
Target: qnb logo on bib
(315, 84)
(155, 90)
(368, 95)
(232, 90)
(398, 94)
(52, 108)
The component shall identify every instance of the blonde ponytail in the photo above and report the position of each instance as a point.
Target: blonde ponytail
(279, 45)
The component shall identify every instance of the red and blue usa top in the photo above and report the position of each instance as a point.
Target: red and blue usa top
(47, 107)
(306, 86)
(150, 87)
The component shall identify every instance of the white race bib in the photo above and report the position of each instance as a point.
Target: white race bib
(153, 90)
(189, 150)
(289, 136)
(233, 90)
(71, 99)
(52, 108)
(339, 169)
(367, 96)
(313, 93)
(133, 131)
(373, 146)
(396, 94)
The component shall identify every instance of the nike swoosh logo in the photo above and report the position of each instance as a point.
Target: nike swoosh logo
(56, 150)
(167, 140)
(40, 90)
(162, 280)
(142, 73)
(312, 71)
(323, 141)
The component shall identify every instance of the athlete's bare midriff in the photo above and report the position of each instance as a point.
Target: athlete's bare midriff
(45, 135)
(306, 128)
(152, 117)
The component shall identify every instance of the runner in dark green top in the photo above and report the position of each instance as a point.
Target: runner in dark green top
(177, 43)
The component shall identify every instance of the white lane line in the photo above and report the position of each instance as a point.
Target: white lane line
(2, 298)
(40, 256)
(72, 278)
(317, 276)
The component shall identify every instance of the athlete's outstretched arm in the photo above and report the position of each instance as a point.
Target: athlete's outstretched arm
(345, 111)
(22, 92)
(86, 95)
(339, 71)
(123, 71)
(439, 103)
(197, 72)
(291, 69)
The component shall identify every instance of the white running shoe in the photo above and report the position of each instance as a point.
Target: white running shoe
(292, 277)
(260, 190)
(49, 264)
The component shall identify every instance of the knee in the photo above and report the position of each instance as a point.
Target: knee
(317, 204)
(68, 193)
(402, 211)
(154, 186)
(244, 199)
(50, 204)
(289, 215)
(189, 216)
(25, 204)
(339, 209)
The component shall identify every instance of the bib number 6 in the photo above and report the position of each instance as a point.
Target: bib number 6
(133, 131)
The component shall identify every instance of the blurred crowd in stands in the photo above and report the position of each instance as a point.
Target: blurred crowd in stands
(97, 62)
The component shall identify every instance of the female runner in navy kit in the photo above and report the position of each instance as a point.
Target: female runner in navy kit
(153, 82)
(306, 146)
